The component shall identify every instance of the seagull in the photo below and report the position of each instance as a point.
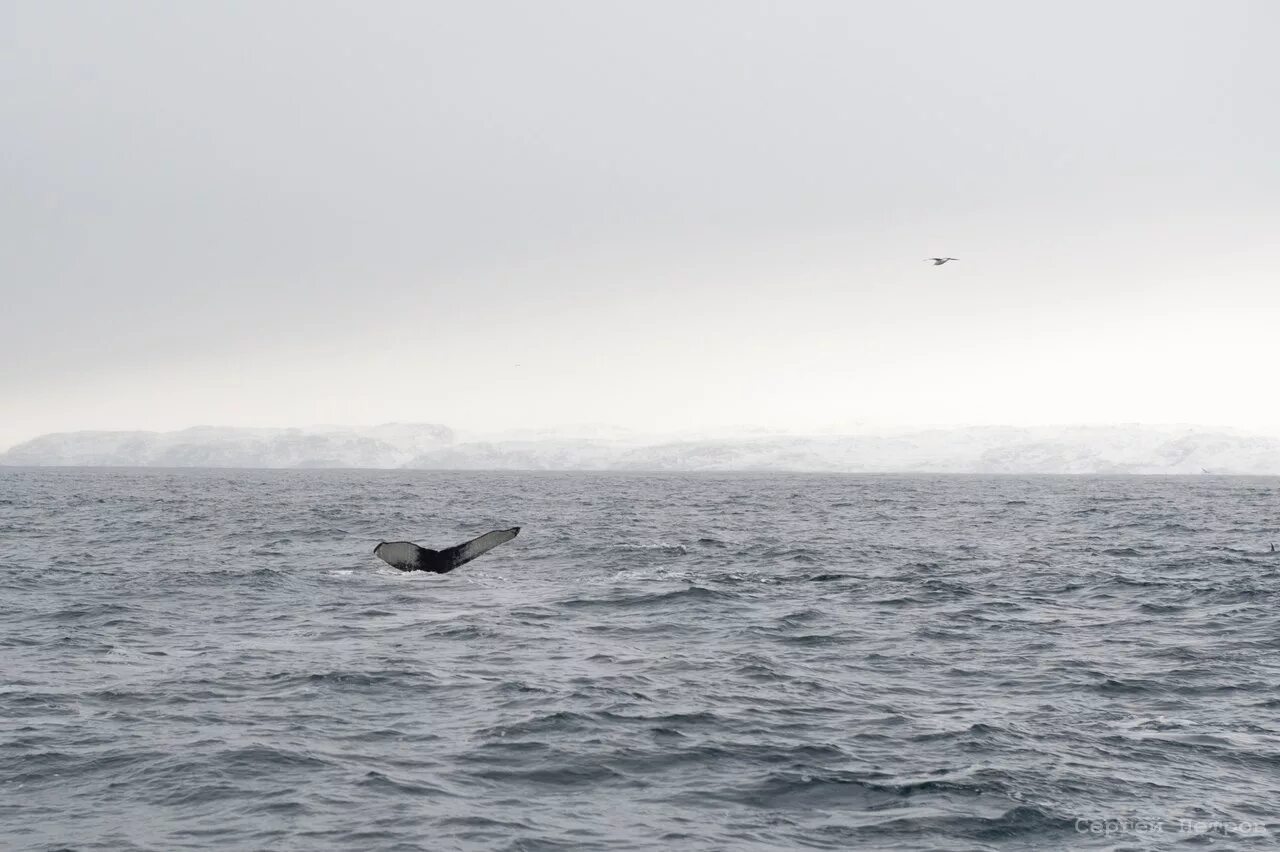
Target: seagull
(938, 261)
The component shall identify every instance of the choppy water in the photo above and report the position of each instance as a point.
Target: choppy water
(216, 659)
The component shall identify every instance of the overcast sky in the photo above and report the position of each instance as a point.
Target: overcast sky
(654, 214)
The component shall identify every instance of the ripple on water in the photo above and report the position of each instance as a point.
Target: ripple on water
(659, 661)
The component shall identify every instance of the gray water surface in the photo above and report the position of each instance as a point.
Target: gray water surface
(215, 659)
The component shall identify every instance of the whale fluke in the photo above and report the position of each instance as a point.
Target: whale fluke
(408, 556)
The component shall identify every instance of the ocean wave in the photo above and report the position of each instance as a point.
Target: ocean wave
(744, 662)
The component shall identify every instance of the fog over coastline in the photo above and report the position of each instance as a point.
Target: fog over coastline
(1118, 449)
(670, 216)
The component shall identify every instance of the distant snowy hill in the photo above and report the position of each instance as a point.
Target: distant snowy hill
(390, 445)
(986, 449)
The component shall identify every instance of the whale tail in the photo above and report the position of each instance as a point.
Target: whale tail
(461, 554)
(407, 556)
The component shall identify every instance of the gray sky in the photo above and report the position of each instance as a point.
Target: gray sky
(656, 214)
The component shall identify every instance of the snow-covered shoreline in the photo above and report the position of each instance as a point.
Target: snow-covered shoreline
(1122, 449)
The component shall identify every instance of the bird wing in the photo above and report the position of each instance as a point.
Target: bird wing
(463, 553)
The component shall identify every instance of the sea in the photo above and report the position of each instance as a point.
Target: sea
(214, 659)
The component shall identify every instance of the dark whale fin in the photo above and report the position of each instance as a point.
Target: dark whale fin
(463, 553)
(405, 555)
(408, 556)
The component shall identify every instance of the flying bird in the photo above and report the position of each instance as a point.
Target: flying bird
(938, 261)
(408, 556)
